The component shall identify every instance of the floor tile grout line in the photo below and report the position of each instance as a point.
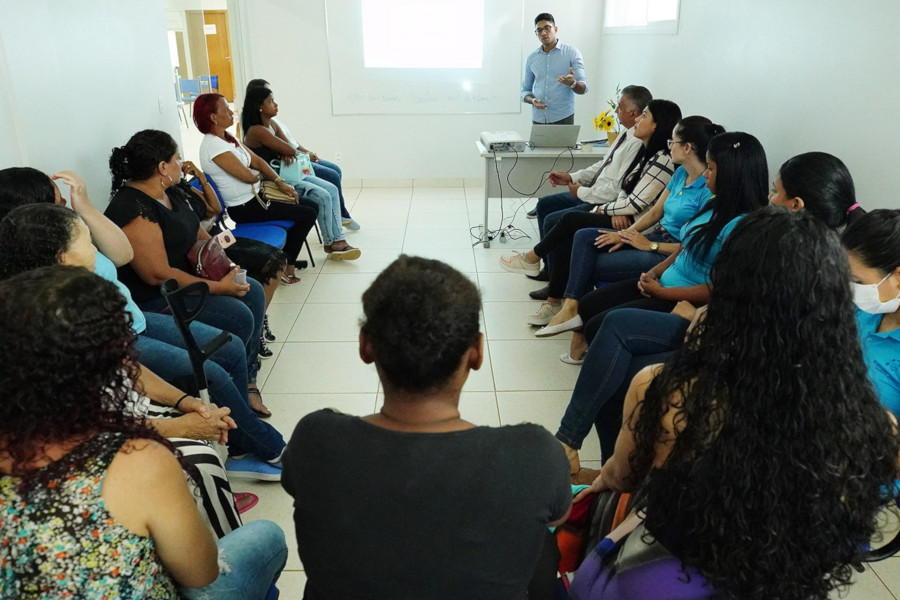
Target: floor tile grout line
(883, 582)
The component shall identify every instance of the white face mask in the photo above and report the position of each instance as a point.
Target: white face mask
(867, 298)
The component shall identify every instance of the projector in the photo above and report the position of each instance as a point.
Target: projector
(503, 141)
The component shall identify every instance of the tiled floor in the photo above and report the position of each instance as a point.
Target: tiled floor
(316, 363)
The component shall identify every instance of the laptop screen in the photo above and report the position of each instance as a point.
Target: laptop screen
(554, 136)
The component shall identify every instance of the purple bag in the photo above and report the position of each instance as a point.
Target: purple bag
(634, 569)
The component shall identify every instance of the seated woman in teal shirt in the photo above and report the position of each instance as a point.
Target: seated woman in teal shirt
(737, 175)
(873, 249)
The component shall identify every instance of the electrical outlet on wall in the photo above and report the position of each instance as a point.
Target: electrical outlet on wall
(338, 157)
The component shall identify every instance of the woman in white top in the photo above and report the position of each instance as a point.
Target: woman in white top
(230, 164)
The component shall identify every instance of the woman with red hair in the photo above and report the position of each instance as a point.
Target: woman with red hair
(237, 171)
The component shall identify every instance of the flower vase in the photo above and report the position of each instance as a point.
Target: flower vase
(611, 136)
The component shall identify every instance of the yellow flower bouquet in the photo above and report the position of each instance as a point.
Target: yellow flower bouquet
(604, 121)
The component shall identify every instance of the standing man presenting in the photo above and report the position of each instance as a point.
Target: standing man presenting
(554, 73)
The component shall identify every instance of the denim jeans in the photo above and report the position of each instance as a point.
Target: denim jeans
(595, 306)
(161, 349)
(241, 317)
(326, 197)
(332, 173)
(251, 559)
(548, 205)
(628, 340)
(556, 245)
(589, 264)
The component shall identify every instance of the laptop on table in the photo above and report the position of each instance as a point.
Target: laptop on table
(554, 136)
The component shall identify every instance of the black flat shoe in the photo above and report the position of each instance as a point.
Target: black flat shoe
(542, 275)
(541, 294)
(263, 412)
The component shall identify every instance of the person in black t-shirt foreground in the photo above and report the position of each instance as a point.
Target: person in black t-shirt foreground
(415, 502)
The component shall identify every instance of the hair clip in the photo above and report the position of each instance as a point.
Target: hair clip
(736, 145)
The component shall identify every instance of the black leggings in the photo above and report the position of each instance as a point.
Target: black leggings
(303, 216)
(556, 245)
(619, 294)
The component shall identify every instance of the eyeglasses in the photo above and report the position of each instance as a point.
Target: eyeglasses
(671, 143)
(545, 28)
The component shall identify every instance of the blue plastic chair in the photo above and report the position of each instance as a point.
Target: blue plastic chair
(189, 90)
(273, 232)
(205, 85)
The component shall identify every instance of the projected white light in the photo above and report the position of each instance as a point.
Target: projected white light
(467, 86)
(417, 34)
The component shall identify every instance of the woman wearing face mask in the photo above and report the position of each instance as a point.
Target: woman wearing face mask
(873, 249)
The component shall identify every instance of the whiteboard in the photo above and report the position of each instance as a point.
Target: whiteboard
(409, 90)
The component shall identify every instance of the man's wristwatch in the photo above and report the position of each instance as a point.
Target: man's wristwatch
(654, 246)
(573, 85)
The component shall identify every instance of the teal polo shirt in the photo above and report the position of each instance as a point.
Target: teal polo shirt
(690, 269)
(683, 202)
(881, 353)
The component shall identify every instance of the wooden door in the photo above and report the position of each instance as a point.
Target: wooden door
(218, 47)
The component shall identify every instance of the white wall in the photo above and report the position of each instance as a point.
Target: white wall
(800, 75)
(416, 146)
(76, 79)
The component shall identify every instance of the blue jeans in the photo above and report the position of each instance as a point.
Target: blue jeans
(251, 559)
(326, 197)
(241, 317)
(161, 349)
(553, 203)
(628, 340)
(589, 264)
(332, 173)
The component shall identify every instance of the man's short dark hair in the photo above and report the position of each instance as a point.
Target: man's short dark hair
(639, 96)
(545, 17)
(420, 316)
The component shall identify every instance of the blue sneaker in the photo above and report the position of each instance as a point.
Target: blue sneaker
(249, 466)
(532, 214)
(350, 224)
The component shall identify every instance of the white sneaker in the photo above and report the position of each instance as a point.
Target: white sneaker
(516, 263)
(544, 314)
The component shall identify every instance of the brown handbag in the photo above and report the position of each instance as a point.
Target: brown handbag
(208, 259)
(270, 192)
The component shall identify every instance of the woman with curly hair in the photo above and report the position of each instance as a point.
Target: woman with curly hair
(629, 339)
(38, 235)
(94, 501)
(761, 449)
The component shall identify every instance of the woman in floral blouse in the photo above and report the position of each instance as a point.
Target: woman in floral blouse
(92, 502)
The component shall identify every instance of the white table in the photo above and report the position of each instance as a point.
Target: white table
(529, 175)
